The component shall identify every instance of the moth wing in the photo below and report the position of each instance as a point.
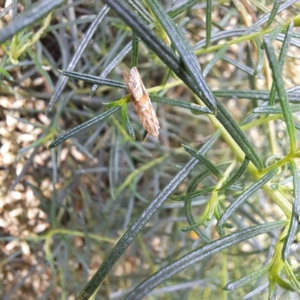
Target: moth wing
(135, 84)
(150, 122)
(126, 78)
(141, 101)
(149, 119)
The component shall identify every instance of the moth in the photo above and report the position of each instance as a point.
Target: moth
(141, 101)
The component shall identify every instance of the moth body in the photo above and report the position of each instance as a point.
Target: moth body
(141, 101)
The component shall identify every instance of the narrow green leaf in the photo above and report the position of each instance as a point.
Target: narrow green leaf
(40, 68)
(142, 12)
(264, 19)
(275, 32)
(274, 109)
(245, 196)
(206, 217)
(191, 106)
(247, 279)
(281, 59)
(126, 121)
(253, 294)
(273, 35)
(202, 159)
(217, 213)
(30, 16)
(240, 66)
(139, 223)
(208, 22)
(182, 8)
(273, 12)
(239, 137)
(197, 179)
(214, 60)
(77, 55)
(285, 284)
(292, 278)
(260, 58)
(294, 97)
(294, 221)
(6, 74)
(83, 126)
(193, 225)
(192, 195)
(190, 259)
(93, 79)
(236, 176)
(111, 65)
(283, 99)
(185, 51)
(135, 50)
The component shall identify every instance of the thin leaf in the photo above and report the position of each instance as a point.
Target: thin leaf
(139, 223)
(94, 79)
(247, 279)
(197, 179)
(294, 221)
(294, 97)
(273, 12)
(283, 99)
(30, 16)
(285, 284)
(199, 254)
(182, 8)
(281, 58)
(126, 121)
(135, 50)
(236, 176)
(185, 51)
(139, 8)
(274, 109)
(6, 74)
(240, 66)
(260, 54)
(203, 160)
(208, 22)
(245, 196)
(83, 126)
(257, 291)
(239, 32)
(191, 106)
(292, 279)
(62, 81)
(274, 34)
(192, 194)
(40, 68)
(213, 61)
(217, 213)
(265, 18)
(193, 225)
(112, 64)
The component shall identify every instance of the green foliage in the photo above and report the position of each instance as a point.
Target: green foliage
(224, 191)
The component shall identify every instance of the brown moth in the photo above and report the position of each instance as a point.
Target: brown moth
(141, 101)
